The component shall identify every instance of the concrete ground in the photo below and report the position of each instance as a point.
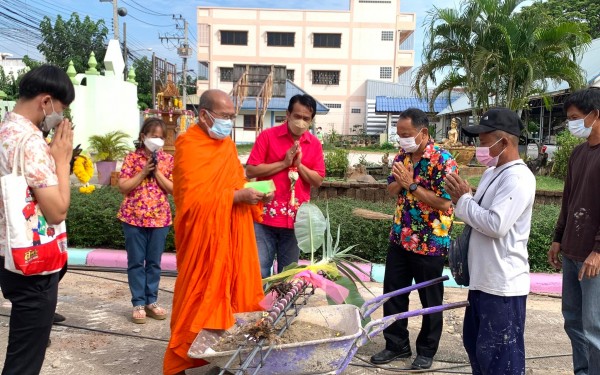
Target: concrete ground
(98, 337)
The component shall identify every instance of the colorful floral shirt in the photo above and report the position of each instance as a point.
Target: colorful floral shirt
(147, 204)
(40, 169)
(418, 227)
(270, 147)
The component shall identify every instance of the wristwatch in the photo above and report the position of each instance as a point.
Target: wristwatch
(412, 187)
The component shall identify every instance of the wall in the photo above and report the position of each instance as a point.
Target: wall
(377, 192)
(105, 103)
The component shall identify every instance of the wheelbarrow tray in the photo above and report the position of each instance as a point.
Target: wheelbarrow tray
(317, 356)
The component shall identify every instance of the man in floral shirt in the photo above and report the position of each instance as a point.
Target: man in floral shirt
(293, 158)
(419, 237)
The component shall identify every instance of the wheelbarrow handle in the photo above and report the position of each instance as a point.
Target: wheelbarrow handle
(374, 327)
(373, 304)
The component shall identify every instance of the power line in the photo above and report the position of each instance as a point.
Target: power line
(152, 13)
(147, 23)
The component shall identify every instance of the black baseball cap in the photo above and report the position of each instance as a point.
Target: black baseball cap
(496, 119)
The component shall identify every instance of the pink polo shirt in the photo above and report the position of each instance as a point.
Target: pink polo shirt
(270, 147)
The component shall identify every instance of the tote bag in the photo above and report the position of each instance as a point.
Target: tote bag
(32, 247)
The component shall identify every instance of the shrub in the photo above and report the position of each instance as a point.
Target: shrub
(542, 231)
(92, 220)
(387, 146)
(92, 223)
(336, 162)
(566, 142)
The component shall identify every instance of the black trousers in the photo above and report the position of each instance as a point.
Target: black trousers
(401, 267)
(33, 301)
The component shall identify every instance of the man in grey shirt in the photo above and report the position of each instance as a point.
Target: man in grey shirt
(493, 333)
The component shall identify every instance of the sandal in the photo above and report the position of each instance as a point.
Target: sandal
(155, 311)
(139, 315)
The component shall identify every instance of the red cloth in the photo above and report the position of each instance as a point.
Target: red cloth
(217, 258)
(270, 147)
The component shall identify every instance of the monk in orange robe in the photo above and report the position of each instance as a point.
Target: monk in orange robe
(217, 258)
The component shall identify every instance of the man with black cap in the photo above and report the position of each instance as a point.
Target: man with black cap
(500, 215)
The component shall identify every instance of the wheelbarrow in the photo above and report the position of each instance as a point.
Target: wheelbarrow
(321, 355)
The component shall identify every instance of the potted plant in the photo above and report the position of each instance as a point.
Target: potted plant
(107, 149)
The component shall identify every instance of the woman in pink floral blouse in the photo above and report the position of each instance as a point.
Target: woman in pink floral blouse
(146, 180)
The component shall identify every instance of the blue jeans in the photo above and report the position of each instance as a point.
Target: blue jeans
(581, 311)
(273, 241)
(144, 250)
(493, 333)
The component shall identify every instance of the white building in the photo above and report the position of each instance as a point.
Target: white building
(11, 65)
(329, 54)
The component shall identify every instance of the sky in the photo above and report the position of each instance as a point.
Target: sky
(147, 19)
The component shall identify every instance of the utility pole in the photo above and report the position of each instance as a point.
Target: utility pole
(183, 51)
(125, 57)
(115, 17)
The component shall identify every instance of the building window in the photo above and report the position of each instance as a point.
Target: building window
(387, 36)
(280, 119)
(249, 122)
(290, 74)
(326, 77)
(280, 39)
(374, 1)
(385, 72)
(234, 38)
(355, 110)
(226, 74)
(333, 105)
(327, 40)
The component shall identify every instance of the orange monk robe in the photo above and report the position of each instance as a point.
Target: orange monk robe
(217, 257)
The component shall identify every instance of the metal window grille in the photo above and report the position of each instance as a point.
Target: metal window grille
(326, 77)
(387, 36)
(226, 74)
(327, 40)
(333, 105)
(290, 74)
(234, 38)
(385, 72)
(276, 39)
(355, 110)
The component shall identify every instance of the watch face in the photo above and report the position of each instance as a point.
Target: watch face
(413, 187)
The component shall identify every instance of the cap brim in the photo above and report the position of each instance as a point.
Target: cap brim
(475, 130)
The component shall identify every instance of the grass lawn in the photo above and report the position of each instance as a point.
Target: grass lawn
(542, 183)
(244, 149)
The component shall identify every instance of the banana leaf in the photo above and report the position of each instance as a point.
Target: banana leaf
(310, 228)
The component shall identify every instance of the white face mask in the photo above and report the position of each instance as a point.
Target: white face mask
(52, 120)
(409, 144)
(578, 129)
(154, 144)
(483, 155)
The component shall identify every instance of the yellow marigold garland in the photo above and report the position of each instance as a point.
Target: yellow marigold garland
(83, 168)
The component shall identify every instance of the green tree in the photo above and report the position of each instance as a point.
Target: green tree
(143, 77)
(8, 84)
(498, 56)
(566, 144)
(73, 40)
(580, 11)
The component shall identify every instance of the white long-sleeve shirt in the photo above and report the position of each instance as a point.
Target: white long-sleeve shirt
(498, 259)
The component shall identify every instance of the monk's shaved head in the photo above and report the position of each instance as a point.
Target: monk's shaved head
(211, 98)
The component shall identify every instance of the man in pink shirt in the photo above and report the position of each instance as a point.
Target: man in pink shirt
(293, 158)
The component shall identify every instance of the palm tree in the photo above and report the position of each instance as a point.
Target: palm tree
(496, 55)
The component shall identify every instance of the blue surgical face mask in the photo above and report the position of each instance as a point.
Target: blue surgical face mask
(221, 128)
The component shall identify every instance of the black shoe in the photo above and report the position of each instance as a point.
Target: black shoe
(58, 318)
(421, 363)
(387, 356)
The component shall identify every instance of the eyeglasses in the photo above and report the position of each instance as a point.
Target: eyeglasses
(223, 115)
